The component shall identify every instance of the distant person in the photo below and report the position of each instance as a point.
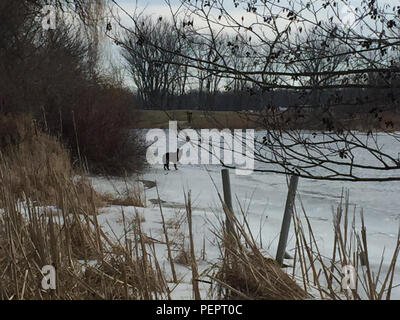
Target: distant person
(189, 117)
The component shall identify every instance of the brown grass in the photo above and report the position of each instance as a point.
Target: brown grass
(132, 196)
(288, 120)
(245, 272)
(201, 119)
(37, 172)
(350, 247)
(183, 257)
(34, 164)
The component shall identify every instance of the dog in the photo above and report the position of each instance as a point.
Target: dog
(172, 157)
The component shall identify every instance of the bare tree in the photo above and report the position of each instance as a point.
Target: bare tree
(156, 73)
(336, 59)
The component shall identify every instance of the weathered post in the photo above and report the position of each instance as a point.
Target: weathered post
(280, 254)
(226, 185)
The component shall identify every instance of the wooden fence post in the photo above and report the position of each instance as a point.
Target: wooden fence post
(226, 185)
(280, 254)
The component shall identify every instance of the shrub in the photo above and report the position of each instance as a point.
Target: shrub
(9, 132)
(98, 128)
(48, 75)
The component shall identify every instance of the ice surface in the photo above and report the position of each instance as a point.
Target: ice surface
(263, 196)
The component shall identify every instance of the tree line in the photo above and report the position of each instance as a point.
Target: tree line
(174, 67)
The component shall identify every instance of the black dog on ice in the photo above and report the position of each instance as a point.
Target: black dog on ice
(172, 157)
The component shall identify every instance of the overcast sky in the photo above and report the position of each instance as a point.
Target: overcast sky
(157, 8)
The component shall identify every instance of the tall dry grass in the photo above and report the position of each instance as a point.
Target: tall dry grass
(246, 271)
(48, 216)
(326, 274)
